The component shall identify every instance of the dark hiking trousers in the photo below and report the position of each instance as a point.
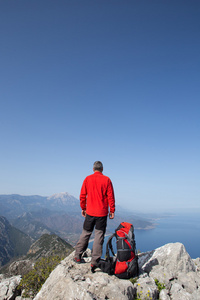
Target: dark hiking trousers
(99, 223)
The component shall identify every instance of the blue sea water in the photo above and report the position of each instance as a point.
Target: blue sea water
(183, 228)
(179, 228)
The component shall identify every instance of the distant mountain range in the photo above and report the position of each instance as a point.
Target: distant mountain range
(59, 214)
(13, 206)
(26, 218)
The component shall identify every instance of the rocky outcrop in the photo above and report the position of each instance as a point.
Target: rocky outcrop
(20, 267)
(8, 287)
(75, 281)
(167, 273)
(173, 270)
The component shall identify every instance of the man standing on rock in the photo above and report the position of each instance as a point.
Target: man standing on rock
(96, 200)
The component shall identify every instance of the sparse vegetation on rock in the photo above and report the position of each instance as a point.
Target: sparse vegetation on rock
(32, 282)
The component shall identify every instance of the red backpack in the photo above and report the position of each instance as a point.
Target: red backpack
(123, 264)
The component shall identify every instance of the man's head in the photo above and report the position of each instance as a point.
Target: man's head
(98, 166)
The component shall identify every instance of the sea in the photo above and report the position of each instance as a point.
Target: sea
(183, 228)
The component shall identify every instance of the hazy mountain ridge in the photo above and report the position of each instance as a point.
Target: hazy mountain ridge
(62, 199)
(31, 224)
(46, 246)
(36, 215)
(66, 225)
(13, 206)
(60, 214)
(13, 242)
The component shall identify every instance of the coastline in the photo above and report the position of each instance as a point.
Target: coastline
(106, 235)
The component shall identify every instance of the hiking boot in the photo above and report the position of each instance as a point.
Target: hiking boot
(93, 268)
(77, 260)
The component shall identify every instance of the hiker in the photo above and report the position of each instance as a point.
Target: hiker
(96, 200)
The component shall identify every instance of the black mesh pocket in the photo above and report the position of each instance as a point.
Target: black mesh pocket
(123, 250)
(133, 268)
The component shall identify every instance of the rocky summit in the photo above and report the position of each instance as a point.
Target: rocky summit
(166, 273)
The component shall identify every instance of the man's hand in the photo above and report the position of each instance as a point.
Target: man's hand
(83, 213)
(111, 215)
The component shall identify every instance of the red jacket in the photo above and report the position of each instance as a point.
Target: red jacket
(97, 195)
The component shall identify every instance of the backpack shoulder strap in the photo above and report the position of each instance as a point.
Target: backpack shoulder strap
(109, 246)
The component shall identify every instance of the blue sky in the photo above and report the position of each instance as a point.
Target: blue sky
(116, 81)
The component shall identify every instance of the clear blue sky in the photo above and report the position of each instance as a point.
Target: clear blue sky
(116, 81)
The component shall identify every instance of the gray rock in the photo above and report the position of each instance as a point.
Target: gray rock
(75, 281)
(196, 295)
(20, 267)
(170, 264)
(172, 256)
(8, 287)
(162, 275)
(1, 277)
(144, 258)
(197, 263)
(164, 295)
(189, 281)
(146, 288)
(166, 262)
(178, 293)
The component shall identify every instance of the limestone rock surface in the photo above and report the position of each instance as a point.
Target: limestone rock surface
(166, 273)
(75, 281)
(8, 287)
(174, 269)
(20, 267)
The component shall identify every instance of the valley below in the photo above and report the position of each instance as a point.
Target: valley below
(31, 217)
